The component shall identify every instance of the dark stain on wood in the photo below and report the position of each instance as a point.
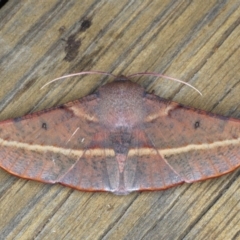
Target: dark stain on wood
(3, 2)
(73, 44)
(72, 47)
(85, 25)
(62, 29)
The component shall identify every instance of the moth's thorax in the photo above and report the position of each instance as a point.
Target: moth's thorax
(121, 104)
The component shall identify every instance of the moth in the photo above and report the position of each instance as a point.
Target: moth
(120, 139)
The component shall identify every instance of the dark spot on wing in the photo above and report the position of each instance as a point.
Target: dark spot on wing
(196, 124)
(44, 126)
(18, 119)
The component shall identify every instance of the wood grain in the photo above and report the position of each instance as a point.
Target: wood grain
(192, 41)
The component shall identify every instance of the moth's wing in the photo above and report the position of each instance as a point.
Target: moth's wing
(145, 168)
(195, 144)
(97, 168)
(130, 164)
(45, 146)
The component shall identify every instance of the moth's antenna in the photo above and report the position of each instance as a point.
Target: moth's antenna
(164, 76)
(78, 74)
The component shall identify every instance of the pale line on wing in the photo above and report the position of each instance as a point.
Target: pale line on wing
(72, 135)
(80, 113)
(110, 152)
(188, 148)
(162, 113)
(64, 151)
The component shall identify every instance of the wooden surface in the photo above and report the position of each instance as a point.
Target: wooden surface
(191, 40)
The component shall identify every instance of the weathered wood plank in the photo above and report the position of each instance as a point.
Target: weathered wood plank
(189, 40)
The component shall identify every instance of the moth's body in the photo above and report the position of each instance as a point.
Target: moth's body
(121, 104)
(120, 139)
(122, 120)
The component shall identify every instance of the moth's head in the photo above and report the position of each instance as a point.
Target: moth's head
(121, 78)
(120, 103)
(121, 87)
